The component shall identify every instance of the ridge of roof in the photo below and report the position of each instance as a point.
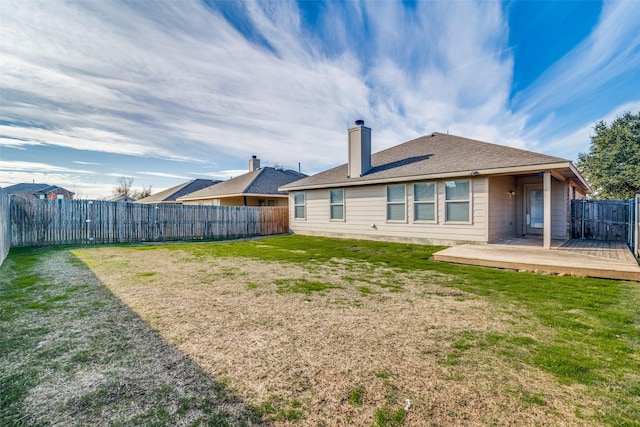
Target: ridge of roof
(432, 154)
(265, 180)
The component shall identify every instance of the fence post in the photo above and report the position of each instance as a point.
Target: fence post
(636, 240)
(582, 218)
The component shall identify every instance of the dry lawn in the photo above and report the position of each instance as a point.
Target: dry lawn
(352, 354)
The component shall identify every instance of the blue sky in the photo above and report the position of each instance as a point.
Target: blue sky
(169, 91)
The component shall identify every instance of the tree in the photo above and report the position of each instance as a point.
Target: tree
(612, 166)
(124, 189)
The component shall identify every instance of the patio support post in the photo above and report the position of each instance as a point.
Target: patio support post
(546, 187)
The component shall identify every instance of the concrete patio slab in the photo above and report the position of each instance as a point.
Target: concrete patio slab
(608, 260)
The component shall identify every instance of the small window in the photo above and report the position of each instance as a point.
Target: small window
(457, 201)
(336, 202)
(271, 202)
(424, 198)
(299, 205)
(260, 202)
(396, 202)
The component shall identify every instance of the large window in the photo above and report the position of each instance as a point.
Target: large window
(424, 201)
(396, 202)
(299, 205)
(457, 200)
(336, 202)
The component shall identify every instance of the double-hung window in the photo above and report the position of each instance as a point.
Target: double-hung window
(336, 202)
(396, 203)
(424, 201)
(299, 205)
(457, 200)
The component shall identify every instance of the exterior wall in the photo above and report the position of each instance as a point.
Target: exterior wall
(239, 201)
(502, 207)
(560, 208)
(365, 216)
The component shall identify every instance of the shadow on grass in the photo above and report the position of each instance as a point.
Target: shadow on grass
(73, 354)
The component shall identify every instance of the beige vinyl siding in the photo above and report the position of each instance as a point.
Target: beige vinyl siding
(502, 207)
(559, 208)
(365, 216)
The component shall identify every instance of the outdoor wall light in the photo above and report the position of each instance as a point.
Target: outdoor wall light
(512, 192)
(373, 226)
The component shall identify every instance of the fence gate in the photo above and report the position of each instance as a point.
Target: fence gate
(605, 220)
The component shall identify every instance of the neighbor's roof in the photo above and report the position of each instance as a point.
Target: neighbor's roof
(170, 195)
(32, 188)
(439, 156)
(263, 181)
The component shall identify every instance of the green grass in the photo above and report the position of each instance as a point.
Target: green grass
(387, 417)
(356, 396)
(302, 286)
(590, 328)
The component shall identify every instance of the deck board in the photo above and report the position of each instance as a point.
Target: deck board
(585, 258)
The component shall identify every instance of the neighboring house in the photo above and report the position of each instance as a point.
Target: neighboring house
(438, 189)
(172, 194)
(40, 191)
(258, 187)
(123, 199)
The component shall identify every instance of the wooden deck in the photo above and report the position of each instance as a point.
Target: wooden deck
(583, 258)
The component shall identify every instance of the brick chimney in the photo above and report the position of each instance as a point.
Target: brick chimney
(254, 163)
(359, 150)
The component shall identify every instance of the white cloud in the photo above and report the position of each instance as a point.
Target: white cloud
(178, 81)
(164, 175)
(224, 174)
(175, 80)
(37, 167)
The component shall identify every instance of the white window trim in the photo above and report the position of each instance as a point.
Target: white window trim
(344, 211)
(304, 205)
(404, 203)
(434, 202)
(469, 200)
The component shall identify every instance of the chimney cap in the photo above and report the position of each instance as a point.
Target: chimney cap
(360, 122)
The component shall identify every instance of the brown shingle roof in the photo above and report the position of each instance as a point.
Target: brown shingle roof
(171, 194)
(265, 180)
(432, 155)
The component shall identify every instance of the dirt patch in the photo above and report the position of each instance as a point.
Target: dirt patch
(300, 341)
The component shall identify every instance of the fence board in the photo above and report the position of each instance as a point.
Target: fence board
(40, 222)
(5, 225)
(601, 219)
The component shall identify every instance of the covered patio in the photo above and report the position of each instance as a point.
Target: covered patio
(582, 258)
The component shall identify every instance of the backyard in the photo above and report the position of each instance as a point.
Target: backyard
(296, 330)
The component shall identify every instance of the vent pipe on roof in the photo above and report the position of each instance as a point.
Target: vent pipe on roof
(254, 164)
(359, 150)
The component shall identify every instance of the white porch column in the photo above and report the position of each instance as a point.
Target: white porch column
(546, 241)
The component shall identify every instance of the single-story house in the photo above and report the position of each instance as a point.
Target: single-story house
(123, 199)
(438, 189)
(40, 191)
(171, 195)
(258, 187)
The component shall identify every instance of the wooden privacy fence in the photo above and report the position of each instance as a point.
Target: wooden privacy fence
(5, 225)
(41, 223)
(603, 220)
